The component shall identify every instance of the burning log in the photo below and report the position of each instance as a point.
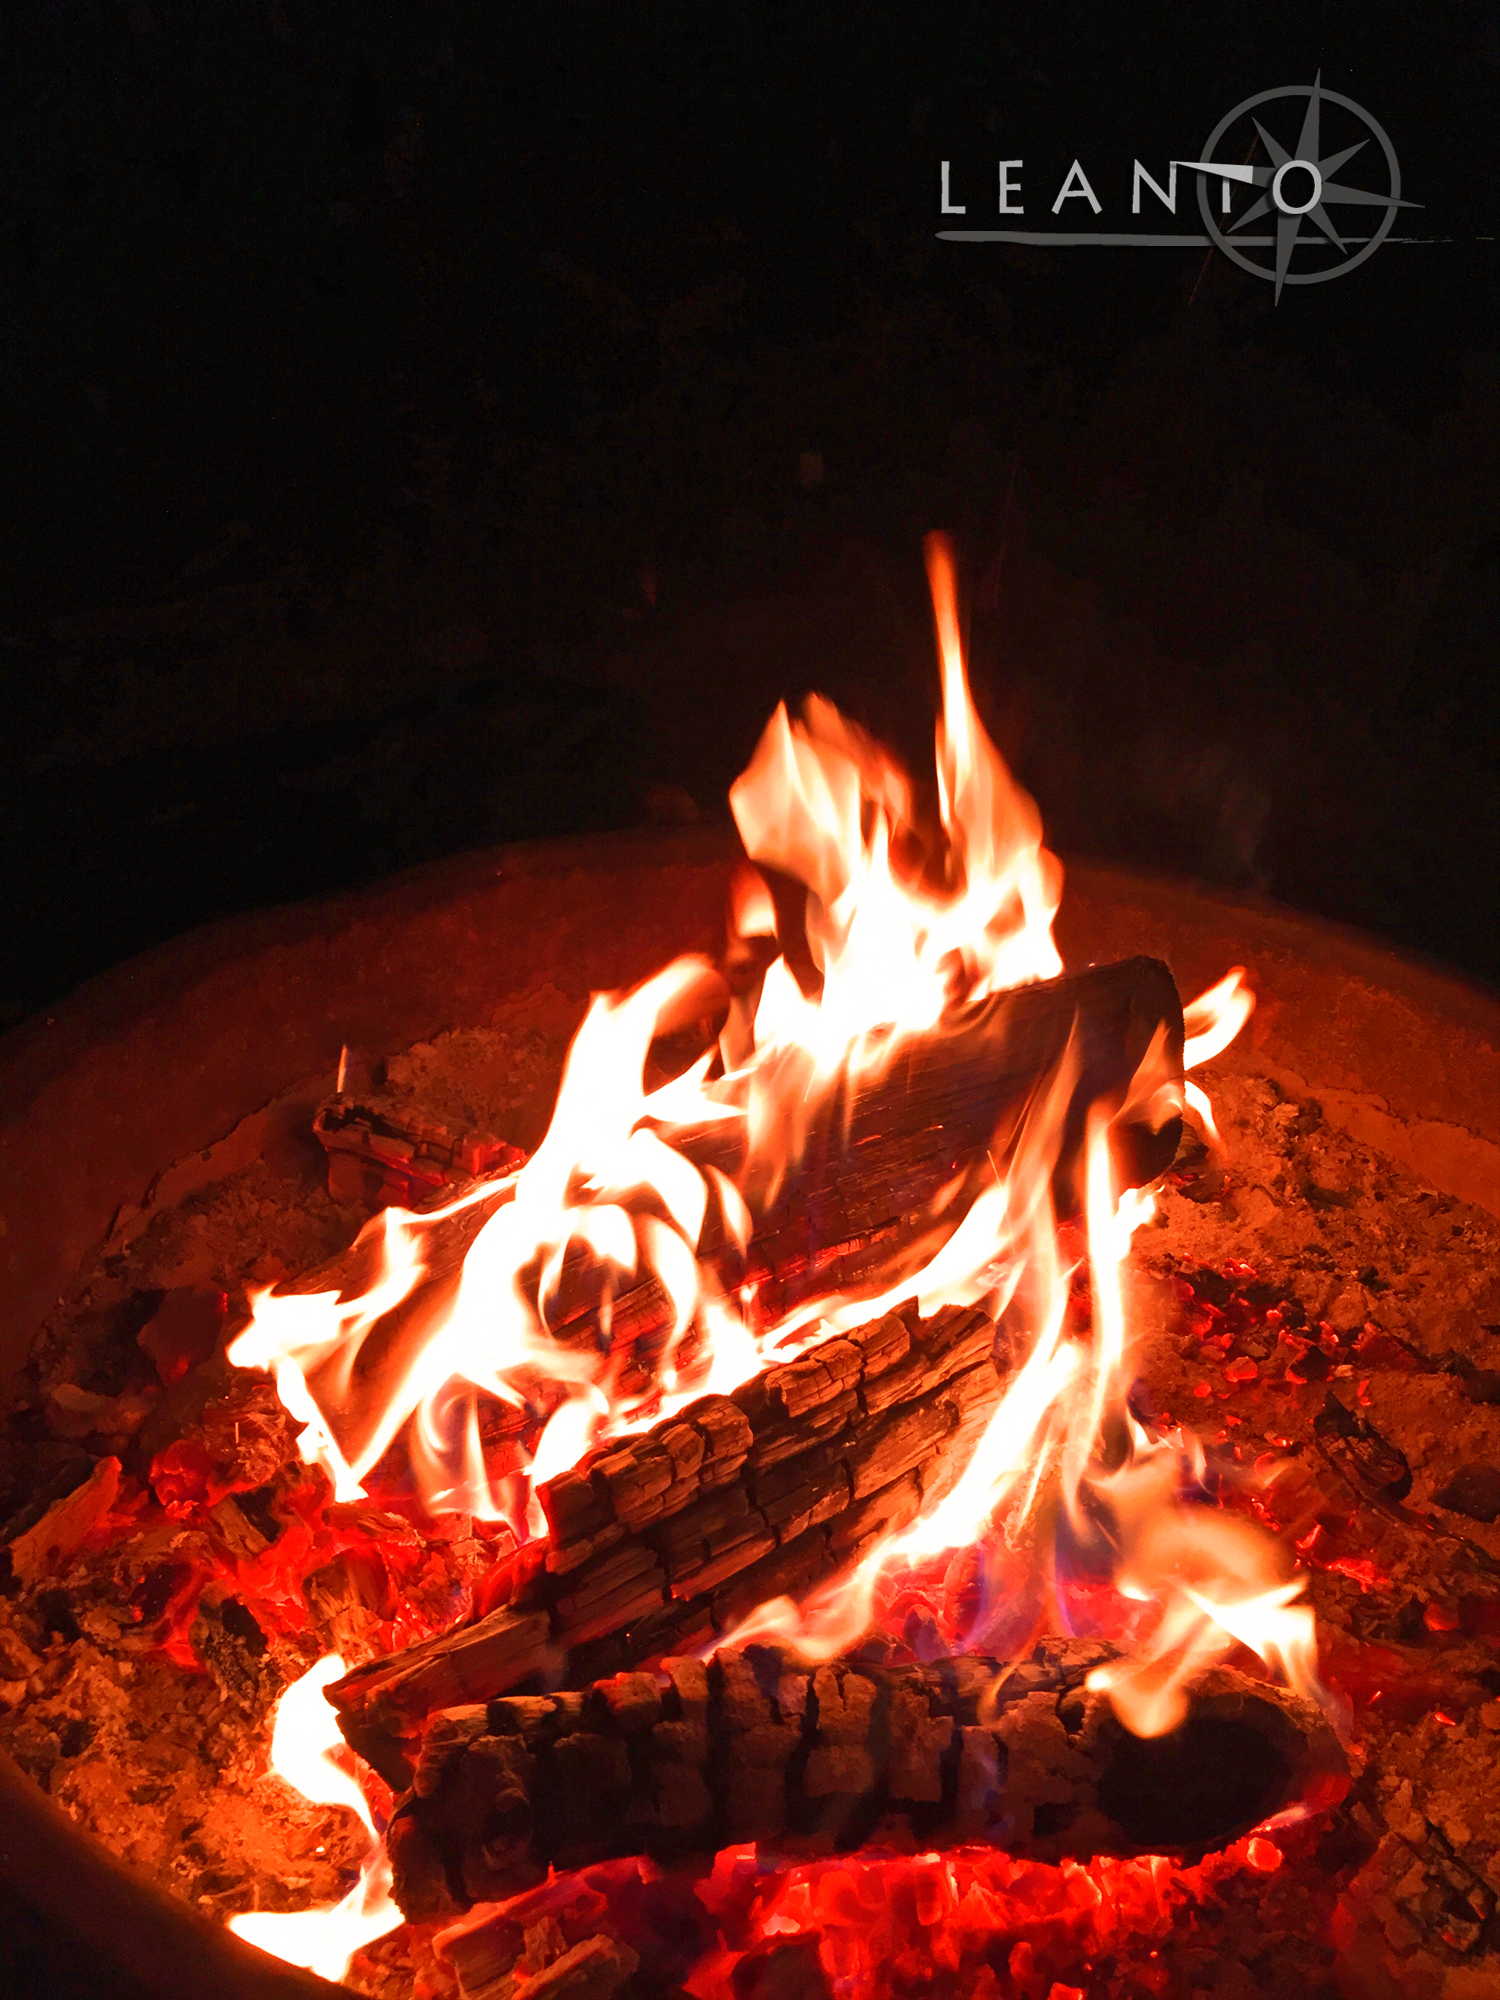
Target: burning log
(890, 1163)
(759, 1746)
(674, 1537)
(666, 1539)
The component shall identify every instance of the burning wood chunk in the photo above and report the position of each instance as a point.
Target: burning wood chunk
(594, 1969)
(226, 1638)
(758, 1746)
(348, 1598)
(241, 1538)
(380, 1154)
(651, 1542)
(235, 1442)
(80, 1413)
(63, 1528)
(611, 1595)
(889, 1164)
(1360, 1452)
(506, 1648)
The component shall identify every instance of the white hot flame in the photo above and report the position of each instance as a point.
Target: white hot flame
(303, 1735)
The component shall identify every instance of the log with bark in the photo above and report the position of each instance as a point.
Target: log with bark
(665, 1540)
(887, 1164)
(757, 1745)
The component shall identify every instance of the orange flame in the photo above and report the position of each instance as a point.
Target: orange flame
(1213, 1579)
(1210, 1580)
(303, 1734)
(1212, 1021)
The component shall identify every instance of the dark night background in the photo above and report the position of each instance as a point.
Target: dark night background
(405, 413)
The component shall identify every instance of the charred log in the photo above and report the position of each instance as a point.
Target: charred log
(759, 1746)
(665, 1540)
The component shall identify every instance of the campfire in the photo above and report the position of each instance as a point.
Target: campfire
(851, 1513)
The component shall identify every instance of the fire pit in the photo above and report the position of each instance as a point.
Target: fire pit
(788, 1539)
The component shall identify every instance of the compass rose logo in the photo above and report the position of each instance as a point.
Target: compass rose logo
(1299, 186)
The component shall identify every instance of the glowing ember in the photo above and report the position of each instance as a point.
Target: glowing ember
(948, 1926)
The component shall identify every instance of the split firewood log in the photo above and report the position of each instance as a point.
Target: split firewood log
(759, 1746)
(670, 1538)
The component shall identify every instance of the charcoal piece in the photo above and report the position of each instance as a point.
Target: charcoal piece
(1357, 1449)
(184, 1330)
(1474, 1490)
(1481, 1385)
(73, 1467)
(49, 1542)
(796, 1495)
(232, 1646)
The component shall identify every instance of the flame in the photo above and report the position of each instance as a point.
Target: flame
(325, 1940)
(821, 802)
(303, 1736)
(1211, 1578)
(1212, 1021)
(1207, 1581)
(1210, 1024)
(1196, 1101)
(898, 918)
